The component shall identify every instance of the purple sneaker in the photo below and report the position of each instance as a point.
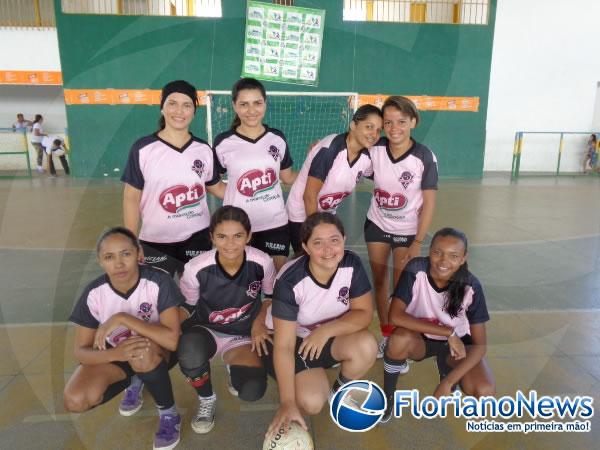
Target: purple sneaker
(132, 401)
(167, 436)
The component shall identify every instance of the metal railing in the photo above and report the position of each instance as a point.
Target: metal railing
(192, 8)
(560, 152)
(27, 13)
(460, 12)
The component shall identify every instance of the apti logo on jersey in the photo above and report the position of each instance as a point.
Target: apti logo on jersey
(145, 311)
(332, 201)
(256, 181)
(180, 197)
(253, 289)
(274, 152)
(198, 167)
(385, 200)
(228, 315)
(344, 295)
(406, 178)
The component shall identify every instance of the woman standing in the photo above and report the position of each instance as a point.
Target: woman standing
(256, 157)
(37, 135)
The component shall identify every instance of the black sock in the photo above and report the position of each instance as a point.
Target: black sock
(391, 372)
(201, 380)
(339, 382)
(158, 383)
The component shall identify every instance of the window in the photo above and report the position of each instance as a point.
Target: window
(474, 12)
(190, 8)
(27, 13)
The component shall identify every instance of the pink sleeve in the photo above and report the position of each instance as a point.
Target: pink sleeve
(269, 278)
(189, 286)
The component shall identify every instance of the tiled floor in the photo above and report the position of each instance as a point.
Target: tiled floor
(535, 245)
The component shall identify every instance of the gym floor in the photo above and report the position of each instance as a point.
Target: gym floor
(534, 244)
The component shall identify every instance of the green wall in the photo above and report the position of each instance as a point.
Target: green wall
(146, 52)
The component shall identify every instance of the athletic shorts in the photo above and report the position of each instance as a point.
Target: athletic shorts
(274, 242)
(325, 359)
(172, 256)
(375, 234)
(223, 342)
(435, 347)
(129, 372)
(295, 236)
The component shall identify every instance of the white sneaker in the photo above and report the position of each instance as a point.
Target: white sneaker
(40, 169)
(381, 347)
(204, 420)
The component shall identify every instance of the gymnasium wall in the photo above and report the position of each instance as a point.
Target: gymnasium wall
(146, 52)
(545, 71)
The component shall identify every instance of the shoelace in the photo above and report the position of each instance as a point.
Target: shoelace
(205, 408)
(165, 428)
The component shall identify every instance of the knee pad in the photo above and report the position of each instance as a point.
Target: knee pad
(195, 349)
(250, 382)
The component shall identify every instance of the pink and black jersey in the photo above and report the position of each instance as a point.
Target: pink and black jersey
(173, 184)
(299, 297)
(425, 301)
(154, 293)
(328, 161)
(223, 302)
(399, 185)
(253, 167)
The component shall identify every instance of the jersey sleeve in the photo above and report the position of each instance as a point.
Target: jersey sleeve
(81, 314)
(189, 285)
(268, 278)
(360, 283)
(218, 156)
(404, 288)
(286, 161)
(477, 311)
(169, 294)
(430, 171)
(284, 301)
(213, 177)
(132, 174)
(321, 163)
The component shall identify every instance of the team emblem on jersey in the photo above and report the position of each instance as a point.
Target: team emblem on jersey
(406, 178)
(253, 289)
(332, 201)
(256, 181)
(180, 197)
(358, 176)
(274, 152)
(385, 200)
(198, 167)
(145, 311)
(228, 315)
(344, 295)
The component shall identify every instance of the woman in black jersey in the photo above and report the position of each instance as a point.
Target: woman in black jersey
(224, 314)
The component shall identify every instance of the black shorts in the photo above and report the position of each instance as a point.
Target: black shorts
(375, 234)
(129, 372)
(435, 347)
(295, 236)
(274, 242)
(172, 256)
(325, 359)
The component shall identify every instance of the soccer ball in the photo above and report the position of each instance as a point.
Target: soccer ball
(294, 438)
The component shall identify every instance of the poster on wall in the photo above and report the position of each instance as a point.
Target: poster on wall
(283, 43)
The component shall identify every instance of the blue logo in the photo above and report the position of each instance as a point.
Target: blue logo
(358, 406)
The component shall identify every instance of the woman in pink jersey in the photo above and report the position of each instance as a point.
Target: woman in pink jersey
(401, 210)
(256, 157)
(332, 169)
(224, 314)
(166, 179)
(321, 309)
(439, 310)
(127, 325)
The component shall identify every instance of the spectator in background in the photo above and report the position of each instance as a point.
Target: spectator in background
(55, 146)
(37, 135)
(589, 163)
(21, 124)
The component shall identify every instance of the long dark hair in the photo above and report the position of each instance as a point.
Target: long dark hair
(241, 85)
(37, 118)
(232, 213)
(458, 282)
(365, 111)
(311, 222)
(117, 230)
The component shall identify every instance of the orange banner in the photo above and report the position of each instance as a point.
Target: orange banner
(30, 77)
(118, 97)
(428, 103)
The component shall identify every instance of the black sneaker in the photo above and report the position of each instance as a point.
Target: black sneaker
(389, 411)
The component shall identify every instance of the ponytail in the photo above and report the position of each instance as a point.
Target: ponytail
(456, 291)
